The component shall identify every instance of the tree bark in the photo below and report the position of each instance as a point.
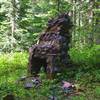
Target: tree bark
(97, 23)
(13, 23)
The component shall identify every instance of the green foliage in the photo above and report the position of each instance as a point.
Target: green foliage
(86, 55)
(79, 98)
(12, 62)
(14, 65)
(97, 91)
(22, 21)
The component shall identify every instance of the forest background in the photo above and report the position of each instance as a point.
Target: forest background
(21, 22)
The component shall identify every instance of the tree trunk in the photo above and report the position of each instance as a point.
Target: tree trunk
(13, 23)
(90, 23)
(97, 23)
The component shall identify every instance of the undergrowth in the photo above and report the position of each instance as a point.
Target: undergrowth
(85, 72)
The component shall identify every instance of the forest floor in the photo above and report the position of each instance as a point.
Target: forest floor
(13, 68)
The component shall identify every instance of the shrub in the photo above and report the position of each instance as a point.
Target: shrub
(12, 62)
(86, 56)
